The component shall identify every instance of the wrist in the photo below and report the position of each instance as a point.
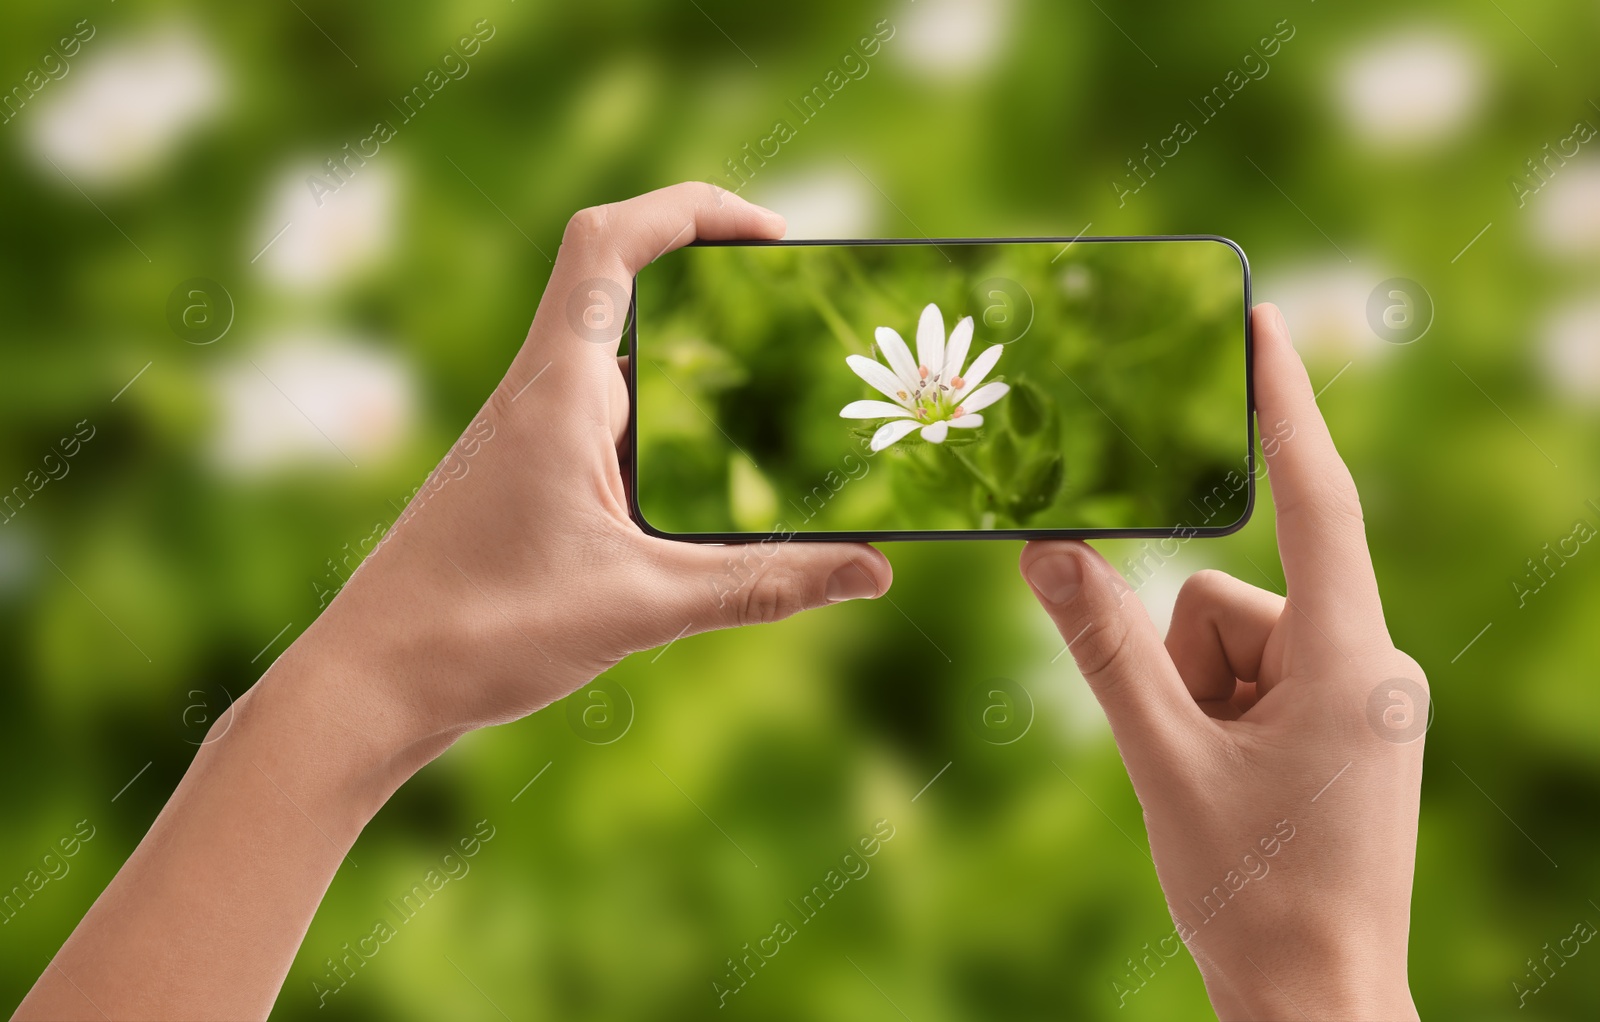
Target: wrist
(431, 644)
(1353, 979)
(339, 712)
(1320, 1000)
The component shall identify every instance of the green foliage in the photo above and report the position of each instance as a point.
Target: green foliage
(1038, 486)
(1010, 891)
(1026, 408)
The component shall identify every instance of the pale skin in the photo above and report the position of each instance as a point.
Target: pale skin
(1255, 710)
(519, 577)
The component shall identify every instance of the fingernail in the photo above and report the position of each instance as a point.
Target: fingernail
(1278, 315)
(851, 582)
(1056, 577)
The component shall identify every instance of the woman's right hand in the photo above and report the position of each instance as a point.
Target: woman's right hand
(1275, 743)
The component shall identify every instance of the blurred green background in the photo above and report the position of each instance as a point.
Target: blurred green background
(178, 549)
(1126, 363)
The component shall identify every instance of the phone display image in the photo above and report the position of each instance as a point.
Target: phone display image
(949, 388)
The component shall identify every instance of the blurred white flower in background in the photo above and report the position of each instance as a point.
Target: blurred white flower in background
(1410, 89)
(832, 202)
(125, 105)
(951, 39)
(325, 244)
(1570, 350)
(1325, 306)
(1158, 577)
(1077, 281)
(1566, 211)
(311, 399)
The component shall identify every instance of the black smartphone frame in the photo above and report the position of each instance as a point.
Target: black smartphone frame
(889, 536)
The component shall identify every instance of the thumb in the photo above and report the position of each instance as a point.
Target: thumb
(1115, 643)
(758, 583)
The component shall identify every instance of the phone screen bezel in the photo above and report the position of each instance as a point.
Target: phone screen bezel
(895, 535)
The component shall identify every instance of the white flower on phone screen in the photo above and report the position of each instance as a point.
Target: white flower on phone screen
(929, 394)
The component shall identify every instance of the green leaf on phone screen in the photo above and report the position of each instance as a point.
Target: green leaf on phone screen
(1003, 456)
(1026, 408)
(1040, 483)
(754, 504)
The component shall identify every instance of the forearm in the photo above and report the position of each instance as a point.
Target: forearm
(205, 917)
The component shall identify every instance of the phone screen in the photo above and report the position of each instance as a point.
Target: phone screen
(943, 388)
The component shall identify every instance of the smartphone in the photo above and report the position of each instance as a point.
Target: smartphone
(943, 389)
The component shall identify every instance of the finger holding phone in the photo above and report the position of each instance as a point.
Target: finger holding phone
(1275, 742)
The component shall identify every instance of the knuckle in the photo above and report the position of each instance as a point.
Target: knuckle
(1334, 502)
(771, 596)
(1202, 587)
(1344, 502)
(720, 196)
(1406, 666)
(1102, 649)
(587, 227)
(693, 192)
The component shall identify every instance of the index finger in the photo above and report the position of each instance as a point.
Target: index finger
(606, 245)
(585, 307)
(1322, 537)
(627, 236)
